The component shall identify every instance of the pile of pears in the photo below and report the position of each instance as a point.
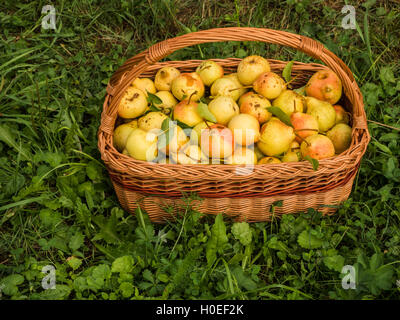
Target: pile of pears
(252, 116)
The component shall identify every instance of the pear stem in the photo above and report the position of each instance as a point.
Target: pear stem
(244, 87)
(190, 97)
(292, 79)
(302, 139)
(297, 130)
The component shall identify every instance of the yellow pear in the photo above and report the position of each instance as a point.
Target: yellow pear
(342, 115)
(291, 156)
(269, 160)
(269, 84)
(151, 120)
(121, 134)
(168, 101)
(195, 135)
(178, 139)
(242, 155)
(209, 71)
(186, 112)
(225, 87)
(258, 152)
(223, 108)
(188, 86)
(318, 147)
(144, 84)
(164, 78)
(191, 154)
(142, 145)
(133, 103)
(245, 128)
(250, 68)
(322, 111)
(255, 105)
(217, 141)
(289, 102)
(233, 76)
(340, 136)
(276, 137)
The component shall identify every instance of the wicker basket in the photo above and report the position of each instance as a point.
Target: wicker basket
(230, 189)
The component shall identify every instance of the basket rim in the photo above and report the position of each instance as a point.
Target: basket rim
(121, 164)
(113, 156)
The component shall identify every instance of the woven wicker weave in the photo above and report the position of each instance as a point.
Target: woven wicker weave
(244, 194)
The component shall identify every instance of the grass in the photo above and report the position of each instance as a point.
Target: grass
(57, 206)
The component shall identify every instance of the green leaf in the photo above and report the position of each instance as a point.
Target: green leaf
(281, 115)
(147, 275)
(9, 285)
(15, 183)
(60, 292)
(334, 262)
(9, 138)
(217, 240)
(49, 218)
(204, 112)
(163, 277)
(182, 124)
(287, 71)
(276, 244)
(122, 264)
(384, 277)
(94, 171)
(127, 289)
(242, 232)
(375, 279)
(369, 4)
(153, 99)
(309, 241)
(54, 159)
(102, 271)
(108, 228)
(376, 261)
(154, 108)
(386, 75)
(382, 147)
(74, 262)
(301, 90)
(243, 280)
(58, 243)
(76, 241)
(314, 162)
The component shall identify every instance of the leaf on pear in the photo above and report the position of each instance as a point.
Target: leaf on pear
(152, 98)
(281, 115)
(182, 124)
(287, 71)
(205, 113)
(153, 108)
(314, 162)
(301, 90)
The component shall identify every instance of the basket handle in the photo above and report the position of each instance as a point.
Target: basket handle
(138, 64)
